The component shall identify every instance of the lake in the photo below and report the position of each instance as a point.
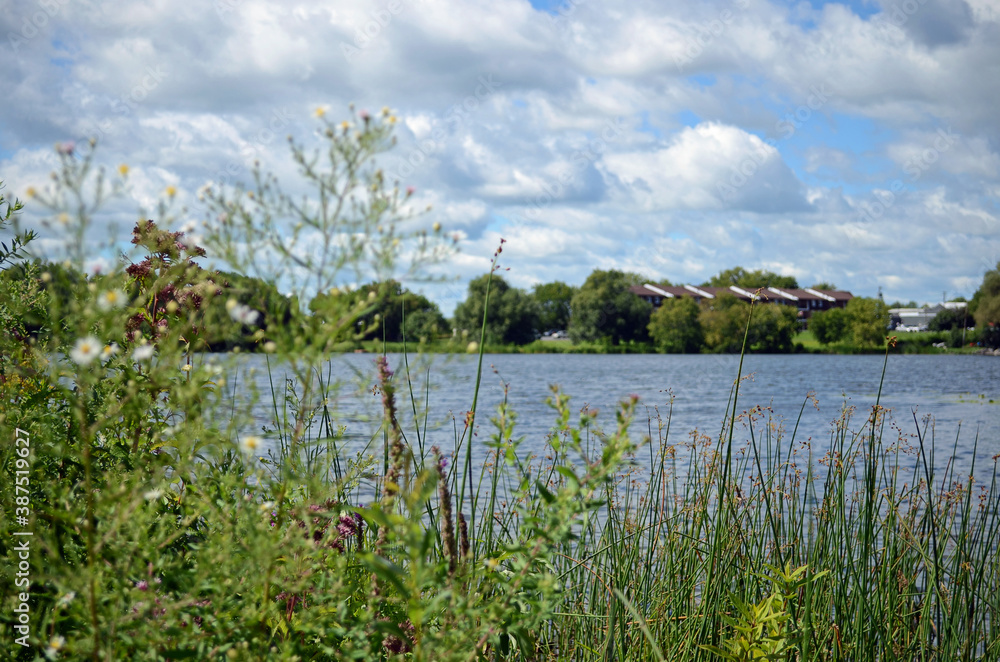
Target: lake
(959, 394)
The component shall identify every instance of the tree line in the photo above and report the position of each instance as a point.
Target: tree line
(602, 311)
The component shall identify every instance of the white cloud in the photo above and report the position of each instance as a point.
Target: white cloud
(710, 166)
(505, 114)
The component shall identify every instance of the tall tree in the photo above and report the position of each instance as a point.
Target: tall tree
(605, 310)
(830, 326)
(512, 316)
(869, 321)
(554, 301)
(985, 307)
(675, 328)
(389, 311)
(750, 280)
(724, 319)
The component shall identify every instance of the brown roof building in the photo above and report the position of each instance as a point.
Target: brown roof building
(806, 300)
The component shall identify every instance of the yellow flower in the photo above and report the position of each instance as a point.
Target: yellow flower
(171, 191)
(123, 169)
(437, 227)
(320, 111)
(392, 119)
(345, 125)
(31, 192)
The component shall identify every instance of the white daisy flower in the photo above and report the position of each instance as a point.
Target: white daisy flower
(250, 444)
(143, 353)
(109, 351)
(242, 313)
(112, 299)
(55, 645)
(86, 350)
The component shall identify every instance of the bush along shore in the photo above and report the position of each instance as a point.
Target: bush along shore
(150, 516)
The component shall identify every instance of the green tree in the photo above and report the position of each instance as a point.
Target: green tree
(724, 320)
(750, 280)
(985, 304)
(390, 312)
(675, 328)
(869, 321)
(554, 301)
(830, 326)
(772, 328)
(512, 316)
(949, 319)
(823, 285)
(605, 310)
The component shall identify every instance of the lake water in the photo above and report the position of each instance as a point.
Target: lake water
(960, 394)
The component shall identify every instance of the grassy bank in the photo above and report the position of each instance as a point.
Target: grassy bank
(621, 540)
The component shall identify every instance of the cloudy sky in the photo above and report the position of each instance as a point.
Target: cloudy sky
(857, 144)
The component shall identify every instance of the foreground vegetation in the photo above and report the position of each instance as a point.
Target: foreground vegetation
(169, 524)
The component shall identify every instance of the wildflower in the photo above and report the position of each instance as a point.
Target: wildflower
(186, 367)
(320, 111)
(63, 218)
(472, 348)
(56, 644)
(143, 353)
(109, 351)
(345, 125)
(270, 347)
(392, 119)
(365, 115)
(385, 111)
(66, 148)
(250, 444)
(123, 170)
(436, 227)
(410, 191)
(142, 585)
(86, 350)
(171, 191)
(152, 495)
(111, 299)
(242, 313)
(31, 192)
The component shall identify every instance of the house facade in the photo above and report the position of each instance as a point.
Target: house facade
(805, 300)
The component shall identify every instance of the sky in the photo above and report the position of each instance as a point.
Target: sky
(855, 144)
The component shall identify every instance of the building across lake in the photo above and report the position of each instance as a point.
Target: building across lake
(806, 300)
